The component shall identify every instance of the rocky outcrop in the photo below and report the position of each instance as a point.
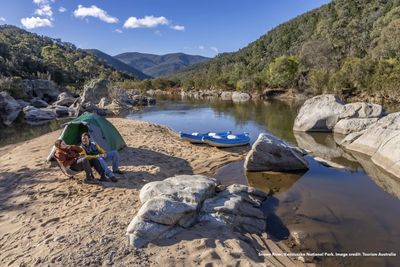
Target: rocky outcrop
(35, 115)
(326, 113)
(269, 153)
(319, 114)
(9, 108)
(38, 103)
(226, 95)
(236, 207)
(381, 141)
(94, 91)
(65, 99)
(347, 126)
(240, 97)
(180, 202)
(362, 110)
(168, 205)
(43, 89)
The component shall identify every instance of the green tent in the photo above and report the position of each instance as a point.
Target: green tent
(100, 129)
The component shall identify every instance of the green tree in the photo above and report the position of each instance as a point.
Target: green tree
(283, 71)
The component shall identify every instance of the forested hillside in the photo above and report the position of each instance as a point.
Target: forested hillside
(344, 47)
(25, 55)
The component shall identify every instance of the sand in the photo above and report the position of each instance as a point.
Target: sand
(47, 219)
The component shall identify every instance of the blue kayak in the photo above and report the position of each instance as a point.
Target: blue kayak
(230, 140)
(198, 137)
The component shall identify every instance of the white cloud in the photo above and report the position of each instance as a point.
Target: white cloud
(36, 22)
(62, 9)
(94, 11)
(118, 30)
(178, 27)
(2, 19)
(213, 48)
(146, 22)
(201, 47)
(43, 2)
(45, 11)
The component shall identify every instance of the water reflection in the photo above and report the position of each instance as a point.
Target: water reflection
(324, 146)
(273, 182)
(386, 181)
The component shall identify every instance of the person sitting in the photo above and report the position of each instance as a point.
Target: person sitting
(93, 150)
(70, 157)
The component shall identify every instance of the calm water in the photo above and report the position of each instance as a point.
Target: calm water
(354, 208)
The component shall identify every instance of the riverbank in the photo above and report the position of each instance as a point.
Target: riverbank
(49, 219)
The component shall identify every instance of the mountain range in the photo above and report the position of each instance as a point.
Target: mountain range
(117, 64)
(160, 65)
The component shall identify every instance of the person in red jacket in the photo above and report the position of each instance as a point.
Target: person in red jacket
(70, 157)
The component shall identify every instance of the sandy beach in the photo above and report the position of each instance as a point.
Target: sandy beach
(48, 219)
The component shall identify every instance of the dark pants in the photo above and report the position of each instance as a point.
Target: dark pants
(86, 165)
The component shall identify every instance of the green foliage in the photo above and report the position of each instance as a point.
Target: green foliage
(30, 56)
(13, 86)
(282, 72)
(318, 80)
(386, 78)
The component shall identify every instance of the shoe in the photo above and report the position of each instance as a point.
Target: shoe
(118, 172)
(103, 178)
(113, 179)
(89, 180)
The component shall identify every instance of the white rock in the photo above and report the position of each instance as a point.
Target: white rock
(240, 97)
(319, 114)
(226, 95)
(362, 110)
(347, 126)
(269, 153)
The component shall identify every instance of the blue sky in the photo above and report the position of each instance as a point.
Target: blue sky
(205, 27)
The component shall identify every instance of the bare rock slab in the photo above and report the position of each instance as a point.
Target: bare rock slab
(181, 201)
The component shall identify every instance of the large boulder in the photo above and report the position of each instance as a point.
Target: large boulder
(61, 111)
(104, 101)
(35, 115)
(226, 95)
(236, 207)
(9, 108)
(65, 99)
(347, 126)
(319, 114)
(38, 103)
(95, 90)
(181, 201)
(168, 205)
(43, 89)
(269, 153)
(381, 141)
(362, 110)
(187, 188)
(22, 103)
(240, 97)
